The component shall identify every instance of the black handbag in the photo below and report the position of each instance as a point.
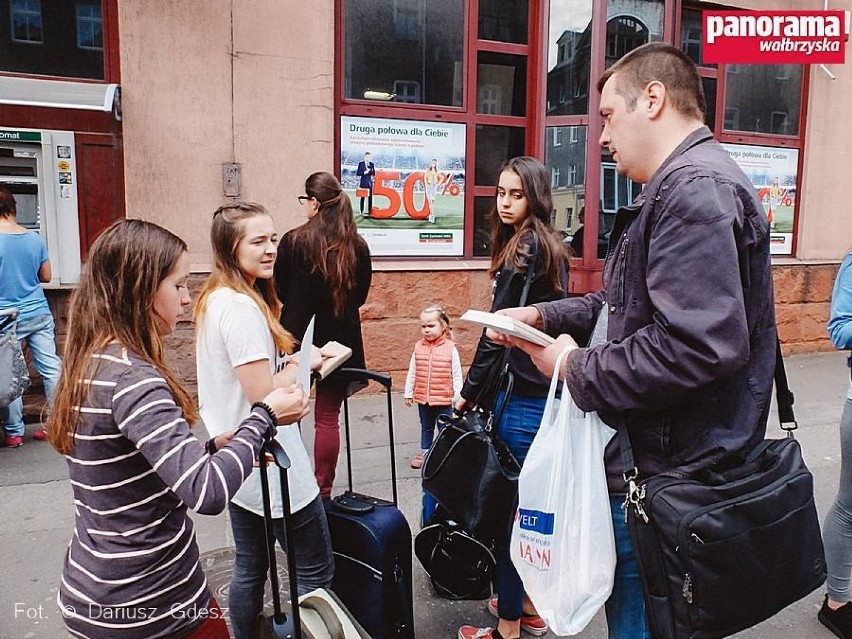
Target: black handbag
(469, 470)
(459, 566)
(722, 550)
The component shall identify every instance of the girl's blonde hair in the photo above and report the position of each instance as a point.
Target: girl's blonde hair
(226, 233)
(115, 302)
(442, 317)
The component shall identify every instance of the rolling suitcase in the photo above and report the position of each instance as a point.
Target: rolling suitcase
(372, 543)
(320, 614)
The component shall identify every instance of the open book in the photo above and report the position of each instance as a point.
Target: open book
(333, 356)
(508, 325)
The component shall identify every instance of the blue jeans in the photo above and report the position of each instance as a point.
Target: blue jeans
(625, 608)
(518, 428)
(314, 560)
(38, 333)
(428, 419)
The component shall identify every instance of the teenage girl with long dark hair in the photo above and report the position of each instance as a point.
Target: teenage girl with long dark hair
(324, 270)
(521, 238)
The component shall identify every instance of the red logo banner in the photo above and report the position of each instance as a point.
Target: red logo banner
(775, 37)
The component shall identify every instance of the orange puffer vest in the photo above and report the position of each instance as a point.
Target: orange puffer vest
(433, 372)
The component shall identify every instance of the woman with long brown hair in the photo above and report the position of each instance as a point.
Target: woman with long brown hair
(121, 418)
(238, 354)
(324, 270)
(521, 239)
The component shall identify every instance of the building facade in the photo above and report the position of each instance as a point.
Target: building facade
(162, 111)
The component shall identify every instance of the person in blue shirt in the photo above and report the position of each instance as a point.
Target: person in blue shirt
(24, 265)
(836, 611)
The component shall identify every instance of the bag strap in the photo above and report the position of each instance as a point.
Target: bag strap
(783, 395)
(500, 375)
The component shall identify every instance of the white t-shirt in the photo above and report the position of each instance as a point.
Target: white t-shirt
(234, 332)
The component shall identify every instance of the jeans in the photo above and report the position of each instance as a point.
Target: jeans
(38, 333)
(625, 608)
(837, 529)
(314, 560)
(518, 427)
(428, 419)
(329, 397)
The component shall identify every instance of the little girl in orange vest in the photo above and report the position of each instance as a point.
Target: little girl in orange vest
(434, 375)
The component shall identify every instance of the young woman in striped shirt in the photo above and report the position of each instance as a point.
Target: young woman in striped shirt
(237, 352)
(121, 418)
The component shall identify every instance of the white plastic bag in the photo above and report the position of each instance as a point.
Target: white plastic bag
(562, 541)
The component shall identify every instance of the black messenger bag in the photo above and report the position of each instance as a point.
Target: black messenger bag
(722, 551)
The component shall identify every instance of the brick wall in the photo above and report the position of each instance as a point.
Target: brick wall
(390, 321)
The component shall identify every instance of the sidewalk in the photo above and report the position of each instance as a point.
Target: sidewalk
(37, 513)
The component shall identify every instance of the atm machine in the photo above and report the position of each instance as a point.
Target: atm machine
(38, 167)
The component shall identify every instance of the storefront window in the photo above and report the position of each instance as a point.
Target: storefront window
(405, 51)
(568, 55)
(630, 24)
(501, 84)
(504, 20)
(482, 220)
(691, 29)
(565, 157)
(58, 38)
(494, 146)
(763, 98)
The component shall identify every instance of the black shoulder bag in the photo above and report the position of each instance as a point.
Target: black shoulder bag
(722, 551)
(469, 470)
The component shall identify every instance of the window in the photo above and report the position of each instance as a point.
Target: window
(557, 136)
(410, 39)
(567, 163)
(503, 20)
(572, 175)
(89, 26)
(69, 37)
(765, 103)
(502, 83)
(572, 134)
(407, 92)
(623, 34)
(25, 18)
(554, 176)
(569, 47)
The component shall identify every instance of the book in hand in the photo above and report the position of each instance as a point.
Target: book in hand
(508, 325)
(333, 356)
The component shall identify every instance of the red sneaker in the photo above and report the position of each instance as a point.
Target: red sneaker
(39, 434)
(533, 624)
(474, 632)
(14, 442)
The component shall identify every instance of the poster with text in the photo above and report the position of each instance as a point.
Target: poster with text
(406, 180)
(772, 170)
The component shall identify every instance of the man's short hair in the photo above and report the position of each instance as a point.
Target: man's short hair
(8, 206)
(657, 61)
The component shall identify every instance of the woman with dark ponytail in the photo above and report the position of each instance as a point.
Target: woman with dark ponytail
(323, 269)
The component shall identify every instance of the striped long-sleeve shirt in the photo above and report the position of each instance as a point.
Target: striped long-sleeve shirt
(132, 568)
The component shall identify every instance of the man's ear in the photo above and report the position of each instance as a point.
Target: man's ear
(655, 96)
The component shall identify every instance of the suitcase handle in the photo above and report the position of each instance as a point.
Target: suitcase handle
(359, 375)
(282, 625)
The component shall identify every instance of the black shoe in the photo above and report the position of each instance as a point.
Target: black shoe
(838, 621)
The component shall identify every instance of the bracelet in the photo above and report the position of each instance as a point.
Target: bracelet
(266, 407)
(210, 446)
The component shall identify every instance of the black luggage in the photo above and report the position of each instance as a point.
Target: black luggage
(372, 543)
(320, 614)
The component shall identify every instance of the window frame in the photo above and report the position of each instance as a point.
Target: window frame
(27, 13)
(88, 20)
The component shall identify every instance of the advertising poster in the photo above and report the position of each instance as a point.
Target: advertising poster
(772, 171)
(406, 180)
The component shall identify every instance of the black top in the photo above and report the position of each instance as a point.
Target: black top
(305, 293)
(506, 293)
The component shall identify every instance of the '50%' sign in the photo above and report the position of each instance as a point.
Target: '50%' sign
(380, 187)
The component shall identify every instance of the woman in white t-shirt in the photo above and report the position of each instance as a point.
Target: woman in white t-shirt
(239, 339)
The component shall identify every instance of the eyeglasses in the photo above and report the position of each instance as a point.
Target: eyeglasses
(304, 198)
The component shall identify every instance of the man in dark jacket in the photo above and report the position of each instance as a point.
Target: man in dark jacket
(681, 340)
(366, 172)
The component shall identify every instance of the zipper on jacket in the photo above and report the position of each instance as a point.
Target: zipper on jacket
(622, 267)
